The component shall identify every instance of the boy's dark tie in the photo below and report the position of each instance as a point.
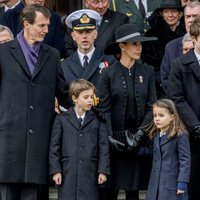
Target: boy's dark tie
(80, 121)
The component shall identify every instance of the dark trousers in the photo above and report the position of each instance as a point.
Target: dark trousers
(20, 191)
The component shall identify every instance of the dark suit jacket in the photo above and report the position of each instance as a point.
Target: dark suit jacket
(54, 37)
(73, 69)
(110, 21)
(79, 153)
(27, 112)
(184, 88)
(172, 50)
(2, 10)
(171, 164)
(131, 10)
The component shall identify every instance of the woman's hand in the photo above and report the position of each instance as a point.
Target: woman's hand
(180, 192)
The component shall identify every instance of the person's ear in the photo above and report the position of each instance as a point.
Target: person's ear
(73, 34)
(121, 46)
(74, 99)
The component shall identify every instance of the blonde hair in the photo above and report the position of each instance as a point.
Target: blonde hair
(176, 127)
(78, 86)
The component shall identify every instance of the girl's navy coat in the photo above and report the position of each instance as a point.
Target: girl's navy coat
(79, 154)
(171, 164)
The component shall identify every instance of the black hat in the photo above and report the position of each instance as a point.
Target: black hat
(84, 19)
(126, 33)
(173, 4)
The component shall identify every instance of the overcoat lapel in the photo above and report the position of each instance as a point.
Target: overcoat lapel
(165, 139)
(192, 62)
(132, 6)
(16, 51)
(88, 118)
(105, 23)
(71, 117)
(76, 68)
(43, 57)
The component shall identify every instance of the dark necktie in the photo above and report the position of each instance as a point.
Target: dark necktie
(142, 9)
(80, 121)
(85, 61)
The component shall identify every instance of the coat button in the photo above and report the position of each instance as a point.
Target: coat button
(33, 83)
(31, 107)
(81, 134)
(30, 131)
(80, 161)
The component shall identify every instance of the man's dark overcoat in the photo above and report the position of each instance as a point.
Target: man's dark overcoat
(106, 31)
(27, 112)
(79, 154)
(171, 164)
(184, 90)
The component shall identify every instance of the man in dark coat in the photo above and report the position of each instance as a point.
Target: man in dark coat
(74, 66)
(109, 22)
(184, 90)
(8, 4)
(54, 37)
(31, 77)
(174, 48)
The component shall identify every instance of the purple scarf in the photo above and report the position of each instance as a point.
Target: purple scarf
(31, 53)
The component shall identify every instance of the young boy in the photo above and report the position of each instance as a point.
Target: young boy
(79, 148)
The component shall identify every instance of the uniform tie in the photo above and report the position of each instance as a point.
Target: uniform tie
(85, 61)
(142, 9)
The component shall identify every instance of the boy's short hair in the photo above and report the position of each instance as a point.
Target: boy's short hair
(78, 86)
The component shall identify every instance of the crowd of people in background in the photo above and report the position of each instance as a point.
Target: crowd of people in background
(125, 78)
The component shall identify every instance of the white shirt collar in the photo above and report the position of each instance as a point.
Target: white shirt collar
(89, 55)
(78, 116)
(197, 55)
(7, 8)
(162, 134)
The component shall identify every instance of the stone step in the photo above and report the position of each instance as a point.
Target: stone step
(53, 194)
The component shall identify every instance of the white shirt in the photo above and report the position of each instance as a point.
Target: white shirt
(89, 55)
(144, 3)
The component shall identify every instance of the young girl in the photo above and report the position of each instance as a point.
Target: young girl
(79, 148)
(171, 156)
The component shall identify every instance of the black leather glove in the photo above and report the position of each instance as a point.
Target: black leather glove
(197, 132)
(134, 142)
(116, 145)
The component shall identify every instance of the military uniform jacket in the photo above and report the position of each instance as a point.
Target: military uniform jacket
(129, 8)
(79, 153)
(73, 69)
(27, 112)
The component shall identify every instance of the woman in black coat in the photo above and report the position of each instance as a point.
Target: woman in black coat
(127, 92)
(167, 24)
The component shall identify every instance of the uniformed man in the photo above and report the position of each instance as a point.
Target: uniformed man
(87, 61)
(137, 10)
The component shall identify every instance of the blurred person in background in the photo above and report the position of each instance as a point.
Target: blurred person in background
(5, 34)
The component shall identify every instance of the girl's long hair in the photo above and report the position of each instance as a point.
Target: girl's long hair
(176, 126)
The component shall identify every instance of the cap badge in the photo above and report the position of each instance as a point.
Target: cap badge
(84, 19)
